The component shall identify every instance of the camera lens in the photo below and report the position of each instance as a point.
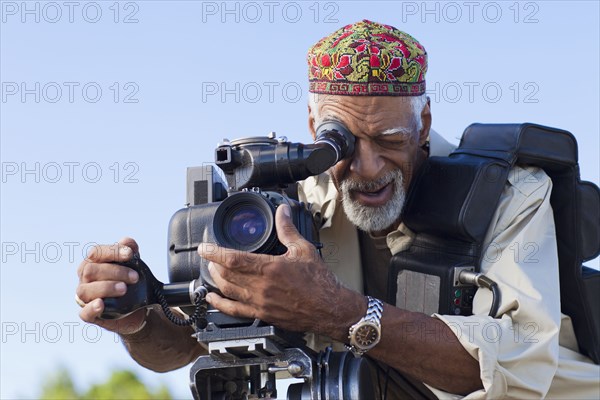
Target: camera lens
(245, 221)
(246, 225)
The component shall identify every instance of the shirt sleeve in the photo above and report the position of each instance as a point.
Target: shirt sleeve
(517, 352)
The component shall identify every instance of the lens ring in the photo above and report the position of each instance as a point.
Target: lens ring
(244, 221)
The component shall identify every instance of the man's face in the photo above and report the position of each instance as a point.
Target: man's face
(373, 182)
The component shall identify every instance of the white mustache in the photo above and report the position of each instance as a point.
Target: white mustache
(373, 219)
(370, 186)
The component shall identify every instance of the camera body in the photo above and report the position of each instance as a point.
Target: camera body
(243, 221)
(239, 212)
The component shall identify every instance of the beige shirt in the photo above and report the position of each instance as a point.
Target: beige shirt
(531, 351)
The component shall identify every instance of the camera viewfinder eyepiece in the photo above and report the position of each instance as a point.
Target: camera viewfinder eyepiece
(269, 163)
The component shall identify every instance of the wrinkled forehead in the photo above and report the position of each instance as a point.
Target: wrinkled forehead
(367, 115)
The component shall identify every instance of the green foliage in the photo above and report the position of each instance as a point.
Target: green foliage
(59, 386)
(121, 385)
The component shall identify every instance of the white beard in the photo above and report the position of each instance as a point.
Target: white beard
(373, 219)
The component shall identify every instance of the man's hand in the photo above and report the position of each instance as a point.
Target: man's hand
(101, 277)
(294, 291)
(161, 346)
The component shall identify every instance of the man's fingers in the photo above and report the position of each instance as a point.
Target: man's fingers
(92, 311)
(229, 257)
(231, 307)
(130, 324)
(91, 272)
(91, 314)
(110, 253)
(100, 277)
(88, 292)
(229, 287)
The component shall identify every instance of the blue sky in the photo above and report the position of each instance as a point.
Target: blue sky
(105, 104)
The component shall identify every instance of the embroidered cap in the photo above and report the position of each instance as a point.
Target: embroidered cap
(369, 59)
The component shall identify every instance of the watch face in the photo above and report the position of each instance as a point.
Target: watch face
(366, 335)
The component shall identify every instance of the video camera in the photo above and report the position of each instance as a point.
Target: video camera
(258, 170)
(245, 355)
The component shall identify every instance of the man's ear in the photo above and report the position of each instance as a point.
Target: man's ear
(311, 123)
(426, 119)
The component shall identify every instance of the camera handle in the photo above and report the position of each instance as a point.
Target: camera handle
(149, 291)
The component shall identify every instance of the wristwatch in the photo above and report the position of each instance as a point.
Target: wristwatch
(366, 333)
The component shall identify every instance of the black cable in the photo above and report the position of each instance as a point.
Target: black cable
(198, 317)
(495, 300)
(483, 281)
(480, 280)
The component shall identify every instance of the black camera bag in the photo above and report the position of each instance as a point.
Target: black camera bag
(450, 206)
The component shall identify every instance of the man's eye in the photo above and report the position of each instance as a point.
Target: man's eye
(391, 143)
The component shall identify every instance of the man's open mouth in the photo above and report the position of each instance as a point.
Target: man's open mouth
(375, 198)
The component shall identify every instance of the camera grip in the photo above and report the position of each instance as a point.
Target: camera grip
(138, 295)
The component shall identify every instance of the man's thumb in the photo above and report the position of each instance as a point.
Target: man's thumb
(286, 230)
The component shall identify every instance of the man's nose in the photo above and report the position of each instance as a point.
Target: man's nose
(366, 161)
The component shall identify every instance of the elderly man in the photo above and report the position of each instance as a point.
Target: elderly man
(371, 78)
